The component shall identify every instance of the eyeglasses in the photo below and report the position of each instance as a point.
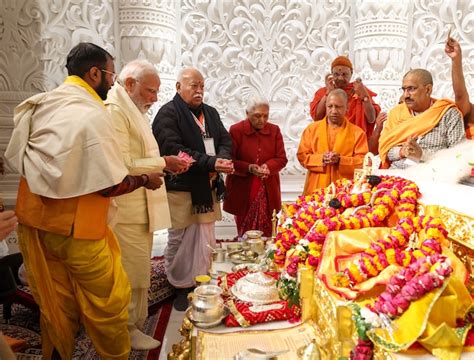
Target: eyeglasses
(114, 75)
(149, 89)
(409, 89)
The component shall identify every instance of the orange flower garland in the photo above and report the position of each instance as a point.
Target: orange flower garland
(389, 251)
(312, 219)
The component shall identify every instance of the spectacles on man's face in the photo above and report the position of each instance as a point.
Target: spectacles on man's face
(114, 75)
(409, 89)
(150, 90)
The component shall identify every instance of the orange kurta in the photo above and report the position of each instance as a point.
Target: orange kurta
(348, 140)
(401, 124)
(355, 107)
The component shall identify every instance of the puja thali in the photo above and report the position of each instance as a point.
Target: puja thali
(256, 288)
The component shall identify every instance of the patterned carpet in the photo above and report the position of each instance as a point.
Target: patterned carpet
(25, 325)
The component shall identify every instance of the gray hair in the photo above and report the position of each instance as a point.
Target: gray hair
(256, 101)
(423, 74)
(184, 72)
(135, 69)
(338, 92)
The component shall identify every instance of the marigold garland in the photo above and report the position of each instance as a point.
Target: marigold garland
(391, 250)
(310, 219)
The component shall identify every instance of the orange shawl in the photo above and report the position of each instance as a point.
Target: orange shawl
(355, 107)
(401, 124)
(350, 144)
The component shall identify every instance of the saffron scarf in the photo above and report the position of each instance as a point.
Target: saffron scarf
(401, 124)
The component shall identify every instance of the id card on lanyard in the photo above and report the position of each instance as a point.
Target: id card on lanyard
(208, 141)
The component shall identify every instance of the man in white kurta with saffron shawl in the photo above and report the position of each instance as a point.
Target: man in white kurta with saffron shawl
(142, 211)
(64, 147)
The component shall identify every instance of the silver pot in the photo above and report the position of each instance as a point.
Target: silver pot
(219, 255)
(207, 304)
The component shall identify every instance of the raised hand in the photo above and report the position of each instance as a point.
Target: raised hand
(329, 82)
(453, 49)
(359, 88)
(381, 117)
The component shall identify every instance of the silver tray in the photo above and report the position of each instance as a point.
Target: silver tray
(206, 325)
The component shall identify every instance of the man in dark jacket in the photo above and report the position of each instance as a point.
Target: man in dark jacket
(187, 126)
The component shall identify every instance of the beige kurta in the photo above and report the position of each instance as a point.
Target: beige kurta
(142, 211)
(52, 156)
(141, 154)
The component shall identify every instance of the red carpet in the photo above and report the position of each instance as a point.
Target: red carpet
(160, 329)
(25, 325)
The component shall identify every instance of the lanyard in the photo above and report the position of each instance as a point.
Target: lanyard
(201, 122)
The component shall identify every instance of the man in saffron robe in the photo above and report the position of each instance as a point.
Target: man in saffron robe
(331, 148)
(420, 126)
(64, 147)
(142, 211)
(453, 50)
(361, 109)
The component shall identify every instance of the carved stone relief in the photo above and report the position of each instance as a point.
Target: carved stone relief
(280, 49)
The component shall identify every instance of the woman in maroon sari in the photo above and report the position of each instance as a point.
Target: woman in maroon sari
(258, 154)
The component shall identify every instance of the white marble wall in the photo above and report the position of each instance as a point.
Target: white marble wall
(281, 49)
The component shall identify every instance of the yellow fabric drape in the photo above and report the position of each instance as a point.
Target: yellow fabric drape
(342, 248)
(73, 279)
(431, 321)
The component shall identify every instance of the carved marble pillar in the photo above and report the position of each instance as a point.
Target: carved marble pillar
(20, 74)
(148, 30)
(381, 38)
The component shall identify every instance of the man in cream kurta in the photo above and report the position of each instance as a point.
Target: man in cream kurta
(141, 212)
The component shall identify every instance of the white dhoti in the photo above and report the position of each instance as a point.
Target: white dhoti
(136, 242)
(187, 253)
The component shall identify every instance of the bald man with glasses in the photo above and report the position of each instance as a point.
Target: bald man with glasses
(420, 126)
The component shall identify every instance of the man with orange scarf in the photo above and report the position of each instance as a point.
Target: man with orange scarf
(361, 109)
(420, 126)
(331, 148)
(64, 147)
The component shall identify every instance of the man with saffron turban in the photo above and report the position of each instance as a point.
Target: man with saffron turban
(420, 126)
(361, 109)
(64, 147)
(331, 148)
